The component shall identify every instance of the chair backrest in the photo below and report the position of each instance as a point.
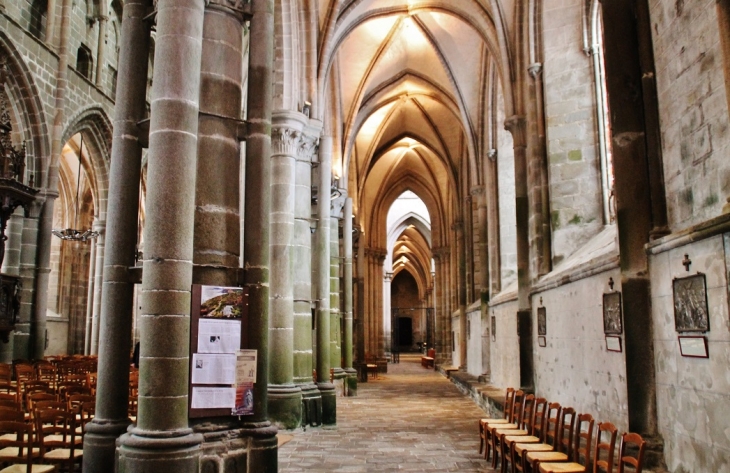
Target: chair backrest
(61, 424)
(76, 400)
(539, 416)
(528, 410)
(631, 443)
(583, 438)
(6, 372)
(35, 398)
(565, 431)
(21, 437)
(516, 409)
(604, 447)
(509, 400)
(552, 424)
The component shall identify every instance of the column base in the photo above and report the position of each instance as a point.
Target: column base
(100, 443)
(228, 448)
(311, 405)
(329, 404)
(285, 406)
(160, 451)
(351, 382)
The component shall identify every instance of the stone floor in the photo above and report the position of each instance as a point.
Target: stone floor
(409, 419)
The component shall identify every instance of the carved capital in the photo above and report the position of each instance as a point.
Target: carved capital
(285, 141)
(477, 190)
(308, 148)
(439, 252)
(492, 154)
(238, 6)
(517, 125)
(458, 226)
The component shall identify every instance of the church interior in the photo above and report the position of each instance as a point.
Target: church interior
(531, 194)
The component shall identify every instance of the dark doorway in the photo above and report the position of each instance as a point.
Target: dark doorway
(405, 332)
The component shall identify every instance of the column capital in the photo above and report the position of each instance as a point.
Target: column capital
(477, 190)
(440, 251)
(517, 125)
(458, 226)
(285, 140)
(535, 70)
(308, 148)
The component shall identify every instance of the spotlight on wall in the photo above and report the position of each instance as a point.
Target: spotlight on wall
(307, 108)
(335, 191)
(312, 225)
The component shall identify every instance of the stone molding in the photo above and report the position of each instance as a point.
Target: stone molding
(308, 148)
(440, 251)
(517, 125)
(534, 70)
(285, 140)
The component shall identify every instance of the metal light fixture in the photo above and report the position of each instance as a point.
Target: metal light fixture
(73, 234)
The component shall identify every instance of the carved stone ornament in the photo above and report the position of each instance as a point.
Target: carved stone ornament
(308, 148)
(285, 141)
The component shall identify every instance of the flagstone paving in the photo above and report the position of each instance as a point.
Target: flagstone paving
(409, 419)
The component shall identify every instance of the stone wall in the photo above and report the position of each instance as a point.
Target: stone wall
(474, 340)
(504, 352)
(507, 216)
(693, 393)
(574, 368)
(693, 109)
(572, 149)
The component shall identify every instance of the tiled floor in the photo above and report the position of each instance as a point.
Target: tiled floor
(410, 419)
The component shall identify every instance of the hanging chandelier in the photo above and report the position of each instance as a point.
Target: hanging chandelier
(72, 234)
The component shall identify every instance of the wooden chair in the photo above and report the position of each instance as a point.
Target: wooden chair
(35, 398)
(91, 382)
(524, 427)
(56, 437)
(633, 442)
(548, 441)
(6, 373)
(598, 464)
(535, 432)
(563, 442)
(513, 417)
(75, 404)
(508, 400)
(16, 447)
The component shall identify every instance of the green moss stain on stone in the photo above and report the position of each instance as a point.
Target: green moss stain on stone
(575, 220)
(687, 197)
(575, 155)
(711, 200)
(555, 219)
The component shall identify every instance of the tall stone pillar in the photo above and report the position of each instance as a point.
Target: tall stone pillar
(262, 455)
(322, 261)
(360, 312)
(28, 256)
(90, 299)
(461, 292)
(438, 342)
(101, 47)
(285, 398)
(347, 347)
(388, 319)
(162, 440)
(381, 254)
(334, 286)
(11, 266)
(113, 301)
(517, 125)
(301, 255)
(491, 189)
(482, 223)
(99, 249)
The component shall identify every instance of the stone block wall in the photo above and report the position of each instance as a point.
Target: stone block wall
(572, 149)
(507, 215)
(693, 109)
(693, 394)
(474, 342)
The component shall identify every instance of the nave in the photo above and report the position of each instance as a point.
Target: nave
(409, 419)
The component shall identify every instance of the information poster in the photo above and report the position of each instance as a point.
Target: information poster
(213, 398)
(214, 368)
(219, 336)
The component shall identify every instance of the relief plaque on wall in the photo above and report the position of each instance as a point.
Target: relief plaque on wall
(612, 323)
(541, 321)
(690, 304)
(494, 329)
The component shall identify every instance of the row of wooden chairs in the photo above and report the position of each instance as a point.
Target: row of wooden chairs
(537, 436)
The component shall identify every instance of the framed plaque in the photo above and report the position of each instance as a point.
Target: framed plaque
(541, 342)
(690, 304)
(612, 322)
(613, 343)
(541, 321)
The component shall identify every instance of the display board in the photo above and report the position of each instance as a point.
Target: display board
(222, 371)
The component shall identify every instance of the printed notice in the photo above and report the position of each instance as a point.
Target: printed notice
(213, 398)
(214, 369)
(219, 336)
(244, 400)
(245, 366)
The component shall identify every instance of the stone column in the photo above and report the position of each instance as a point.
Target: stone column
(11, 266)
(28, 256)
(517, 126)
(347, 347)
(322, 261)
(257, 215)
(723, 17)
(461, 292)
(101, 48)
(482, 212)
(627, 31)
(360, 313)
(98, 279)
(388, 321)
(334, 286)
(301, 255)
(90, 299)
(285, 399)
(162, 441)
(113, 302)
(491, 185)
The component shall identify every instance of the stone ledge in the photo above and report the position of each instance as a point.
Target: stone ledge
(489, 398)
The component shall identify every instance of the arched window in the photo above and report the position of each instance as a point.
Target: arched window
(38, 14)
(84, 61)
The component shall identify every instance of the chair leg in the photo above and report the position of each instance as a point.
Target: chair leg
(481, 437)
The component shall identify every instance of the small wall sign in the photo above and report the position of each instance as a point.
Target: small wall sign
(690, 304)
(541, 321)
(541, 341)
(693, 347)
(613, 343)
